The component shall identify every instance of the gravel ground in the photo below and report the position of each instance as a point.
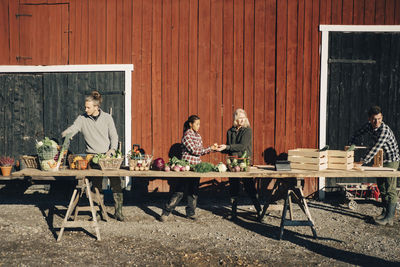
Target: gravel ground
(29, 221)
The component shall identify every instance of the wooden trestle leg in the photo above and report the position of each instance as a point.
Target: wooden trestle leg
(82, 188)
(296, 193)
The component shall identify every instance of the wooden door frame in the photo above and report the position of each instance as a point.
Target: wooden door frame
(126, 68)
(326, 29)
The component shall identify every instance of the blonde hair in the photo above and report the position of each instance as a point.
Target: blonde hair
(94, 97)
(236, 114)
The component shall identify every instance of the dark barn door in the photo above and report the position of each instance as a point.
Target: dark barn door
(364, 70)
(36, 105)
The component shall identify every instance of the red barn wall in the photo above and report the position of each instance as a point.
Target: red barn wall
(204, 57)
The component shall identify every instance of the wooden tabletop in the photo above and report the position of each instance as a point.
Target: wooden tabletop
(266, 172)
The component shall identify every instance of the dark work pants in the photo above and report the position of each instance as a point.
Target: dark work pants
(387, 186)
(249, 187)
(190, 186)
(115, 183)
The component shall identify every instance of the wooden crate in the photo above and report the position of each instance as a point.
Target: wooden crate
(308, 159)
(340, 160)
(378, 158)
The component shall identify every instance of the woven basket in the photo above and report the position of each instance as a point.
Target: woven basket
(31, 162)
(110, 164)
(143, 163)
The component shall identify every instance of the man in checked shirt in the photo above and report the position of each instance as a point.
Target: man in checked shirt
(384, 139)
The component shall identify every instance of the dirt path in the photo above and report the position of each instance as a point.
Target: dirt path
(345, 237)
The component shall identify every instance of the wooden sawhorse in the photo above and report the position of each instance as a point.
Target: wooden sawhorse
(293, 193)
(83, 187)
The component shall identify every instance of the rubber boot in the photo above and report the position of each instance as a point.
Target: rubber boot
(257, 206)
(191, 207)
(118, 200)
(384, 210)
(170, 206)
(391, 208)
(234, 203)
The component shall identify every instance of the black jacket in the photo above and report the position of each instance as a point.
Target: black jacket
(239, 141)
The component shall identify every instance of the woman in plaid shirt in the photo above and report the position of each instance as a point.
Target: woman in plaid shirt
(192, 149)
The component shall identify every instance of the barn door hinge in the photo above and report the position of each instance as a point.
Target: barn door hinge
(23, 15)
(22, 58)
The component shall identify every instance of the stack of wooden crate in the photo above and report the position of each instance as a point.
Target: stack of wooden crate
(308, 159)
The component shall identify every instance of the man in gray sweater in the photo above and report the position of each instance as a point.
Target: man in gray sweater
(100, 136)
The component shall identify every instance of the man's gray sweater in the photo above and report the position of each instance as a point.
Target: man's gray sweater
(100, 135)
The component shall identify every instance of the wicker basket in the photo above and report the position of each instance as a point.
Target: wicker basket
(140, 164)
(110, 164)
(31, 162)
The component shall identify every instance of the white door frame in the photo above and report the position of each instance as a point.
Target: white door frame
(326, 29)
(126, 68)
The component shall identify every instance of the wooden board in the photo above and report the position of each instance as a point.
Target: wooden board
(366, 168)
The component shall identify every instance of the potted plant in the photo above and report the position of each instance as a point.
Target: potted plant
(6, 164)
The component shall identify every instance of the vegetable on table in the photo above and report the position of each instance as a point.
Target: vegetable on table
(221, 167)
(204, 167)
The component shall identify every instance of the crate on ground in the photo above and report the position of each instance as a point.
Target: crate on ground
(308, 159)
(340, 159)
(110, 164)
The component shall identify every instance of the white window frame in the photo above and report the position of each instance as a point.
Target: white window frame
(126, 68)
(326, 29)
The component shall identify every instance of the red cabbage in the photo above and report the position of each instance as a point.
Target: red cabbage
(158, 164)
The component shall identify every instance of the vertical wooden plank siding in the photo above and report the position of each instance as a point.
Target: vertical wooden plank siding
(259, 79)
(111, 32)
(307, 74)
(166, 100)
(248, 57)
(183, 93)
(127, 31)
(156, 79)
(175, 125)
(291, 91)
(369, 12)
(4, 34)
(119, 31)
(397, 12)
(137, 61)
(216, 128)
(227, 69)
(389, 12)
(348, 12)
(193, 56)
(300, 75)
(201, 57)
(146, 111)
(358, 15)
(204, 61)
(238, 39)
(270, 71)
(281, 72)
(380, 12)
(100, 18)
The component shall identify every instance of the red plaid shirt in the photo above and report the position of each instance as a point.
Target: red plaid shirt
(193, 147)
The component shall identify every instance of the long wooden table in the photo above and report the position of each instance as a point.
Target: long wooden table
(294, 191)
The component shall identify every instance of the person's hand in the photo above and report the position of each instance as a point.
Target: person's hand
(214, 147)
(358, 164)
(221, 148)
(63, 134)
(110, 152)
